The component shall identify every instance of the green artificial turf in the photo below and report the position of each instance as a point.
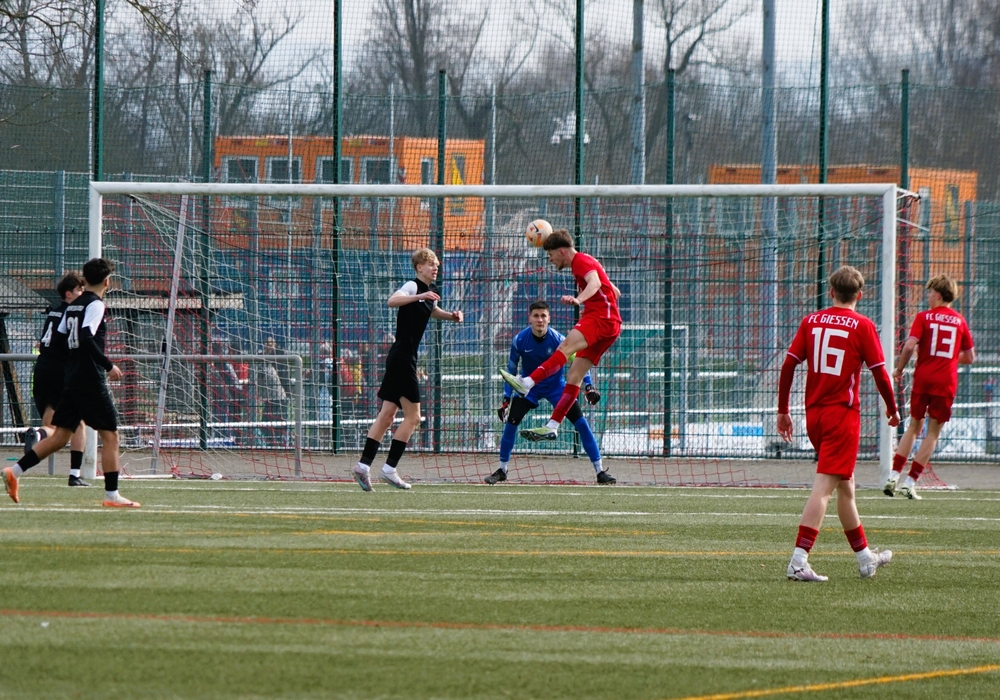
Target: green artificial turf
(254, 590)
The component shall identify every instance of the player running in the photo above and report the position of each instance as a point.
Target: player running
(530, 348)
(417, 303)
(85, 394)
(834, 342)
(595, 332)
(49, 374)
(944, 342)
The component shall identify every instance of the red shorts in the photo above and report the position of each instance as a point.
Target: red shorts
(937, 407)
(600, 333)
(835, 432)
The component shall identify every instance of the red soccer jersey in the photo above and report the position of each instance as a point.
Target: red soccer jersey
(604, 304)
(941, 333)
(834, 342)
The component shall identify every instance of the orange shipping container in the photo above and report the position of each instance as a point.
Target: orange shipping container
(279, 222)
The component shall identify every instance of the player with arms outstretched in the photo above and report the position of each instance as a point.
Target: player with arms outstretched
(944, 342)
(49, 375)
(417, 303)
(530, 348)
(85, 395)
(834, 343)
(593, 335)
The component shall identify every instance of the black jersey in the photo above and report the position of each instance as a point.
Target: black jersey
(411, 321)
(52, 350)
(84, 326)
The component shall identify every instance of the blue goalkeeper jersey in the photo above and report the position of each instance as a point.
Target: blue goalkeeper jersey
(530, 352)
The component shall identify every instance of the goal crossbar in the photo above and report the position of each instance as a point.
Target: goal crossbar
(888, 192)
(235, 189)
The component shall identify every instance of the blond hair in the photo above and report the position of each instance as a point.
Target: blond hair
(421, 256)
(945, 286)
(846, 282)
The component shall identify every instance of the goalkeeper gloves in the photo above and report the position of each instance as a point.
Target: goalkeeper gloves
(502, 411)
(591, 394)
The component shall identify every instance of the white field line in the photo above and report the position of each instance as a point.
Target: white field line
(478, 512)
(737, 493)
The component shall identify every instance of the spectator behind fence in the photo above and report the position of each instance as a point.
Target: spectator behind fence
(272, 396)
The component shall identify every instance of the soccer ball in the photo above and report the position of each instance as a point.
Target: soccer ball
(538, 230)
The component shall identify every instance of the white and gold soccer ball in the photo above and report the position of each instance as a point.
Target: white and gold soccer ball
(537, 231)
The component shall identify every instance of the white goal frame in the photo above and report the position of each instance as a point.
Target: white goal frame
(887, 191)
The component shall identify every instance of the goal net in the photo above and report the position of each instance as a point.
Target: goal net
(714, 281)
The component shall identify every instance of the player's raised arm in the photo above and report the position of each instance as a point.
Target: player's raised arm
(407, 294)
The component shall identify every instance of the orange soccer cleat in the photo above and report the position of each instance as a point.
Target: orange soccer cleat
(10, 483)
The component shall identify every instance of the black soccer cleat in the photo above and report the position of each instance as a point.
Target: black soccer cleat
(30, 438)
(496, 477)
(76, 481)
(605, 478)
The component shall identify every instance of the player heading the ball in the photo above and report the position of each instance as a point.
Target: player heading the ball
(833, 343)
(596, 331)
(417, 303)
(944, 342)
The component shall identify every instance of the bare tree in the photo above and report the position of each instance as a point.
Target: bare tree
(694, 32)
(414, 39)
(51, 42)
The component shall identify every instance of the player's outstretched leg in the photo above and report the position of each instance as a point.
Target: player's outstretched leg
(551, 430)
(10, 484)
(38, 452)
(522, 385)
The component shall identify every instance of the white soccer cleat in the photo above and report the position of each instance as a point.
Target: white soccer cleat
(803, 573)
(363, 478)
(516, 383)
(878, 560)
(393, 479)
(910, 492)
(889, 489)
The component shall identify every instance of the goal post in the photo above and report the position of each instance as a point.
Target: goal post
(866, 208)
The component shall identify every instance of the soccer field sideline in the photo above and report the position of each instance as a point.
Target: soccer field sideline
(492, 593)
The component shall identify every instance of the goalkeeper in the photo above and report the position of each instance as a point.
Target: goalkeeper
(530, 348)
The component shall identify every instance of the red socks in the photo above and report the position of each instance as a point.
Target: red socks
(807, 537)
(916, 469)
(549, 367)
(566, 402)
(856, 538)
(898, 462)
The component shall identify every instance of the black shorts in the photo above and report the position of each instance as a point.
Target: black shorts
(47, 387)
(520, 406)
(399, 382)
(96, 408)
